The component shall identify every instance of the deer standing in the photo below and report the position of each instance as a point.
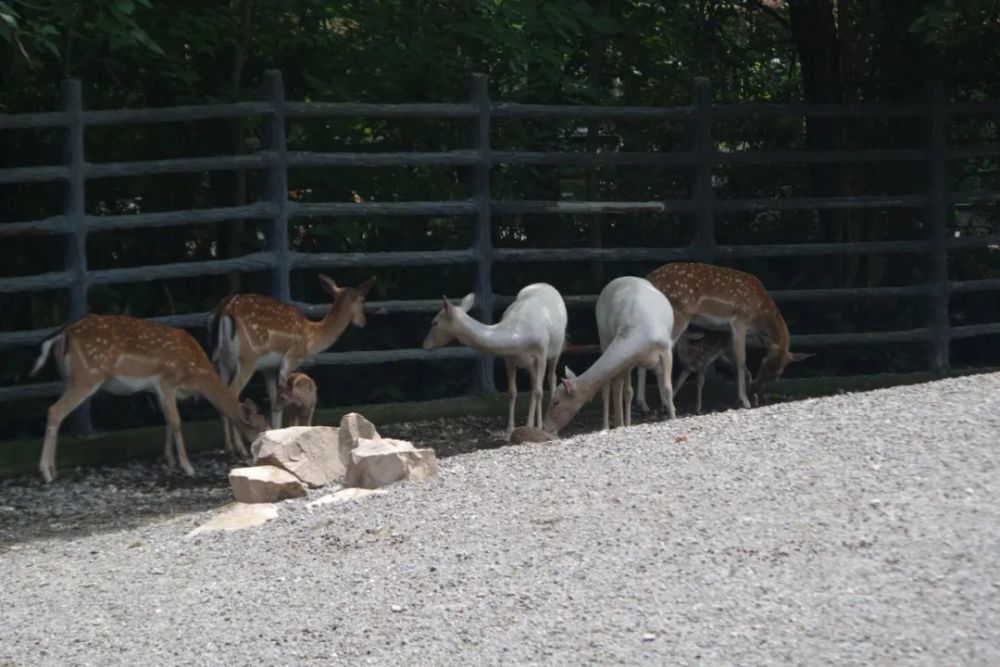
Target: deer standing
(297, 400)
(123, 355)
(252, 332)
(696, 352)
(634, 323)
(718, 297)
(531, 332)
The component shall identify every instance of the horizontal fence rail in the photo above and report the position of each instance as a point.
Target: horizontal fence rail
(274, 159)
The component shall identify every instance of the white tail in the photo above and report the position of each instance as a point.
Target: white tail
(124, 355)
(715, 296)
(256, 332)
(58, 340)
(531, 334)
(634, 322)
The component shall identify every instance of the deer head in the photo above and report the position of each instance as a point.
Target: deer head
(771, 369)
(446, 322)
(351, 298)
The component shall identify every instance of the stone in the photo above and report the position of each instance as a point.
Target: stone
(523, 434)
(375, 463)
(344, 495)
(237, 516)
(353, 428)
(264, 484)
(311, 453)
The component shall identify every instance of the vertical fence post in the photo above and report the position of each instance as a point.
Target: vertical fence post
(702, 193)
(937, 232)
(483, 243)
(75, 249)
(273, 92)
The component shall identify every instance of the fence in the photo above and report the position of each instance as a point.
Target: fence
(278, 209)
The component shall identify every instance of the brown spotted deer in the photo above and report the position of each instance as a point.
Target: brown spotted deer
(717, 297)
(252, 332)
(297, 400)
(697, 350)
(123, 355)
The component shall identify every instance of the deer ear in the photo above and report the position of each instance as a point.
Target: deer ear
(570, 385)
(329, 286)
(569, 373)
(799, 356)
(468, 301)
(446, 305)
(365, 286)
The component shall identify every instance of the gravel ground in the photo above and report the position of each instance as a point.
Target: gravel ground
(859, 529)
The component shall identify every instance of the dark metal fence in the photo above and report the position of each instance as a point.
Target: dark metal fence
(75, 223)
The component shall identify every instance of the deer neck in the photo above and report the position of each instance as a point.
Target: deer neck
(224, 400)
(321, 335)
(617, 357)
(498, 338)
(771, 325)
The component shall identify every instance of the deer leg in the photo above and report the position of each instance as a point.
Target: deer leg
(73, 395)
(173, 418)
(740, 356)
(168, 450)
(641, 389)
(271, 383)
(512, 391)
(235, 446)
(551, 376)
(666, 382)
(616, 397)
(700, 379)
(606, 397)
(628, 398)
(537, 395)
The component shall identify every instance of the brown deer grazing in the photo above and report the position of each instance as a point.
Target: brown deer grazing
(297, 400)
(252, 332)
(717, 297)
(123, 355)
(696, 352)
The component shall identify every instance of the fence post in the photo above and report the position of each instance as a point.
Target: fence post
(483, 243)
(702, 193)
(938, 324)
(75, 249)
(273, 92)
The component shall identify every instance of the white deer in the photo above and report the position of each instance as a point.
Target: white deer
(634, 323)
(123, 355)
(530, 334)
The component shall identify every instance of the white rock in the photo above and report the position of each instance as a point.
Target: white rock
(375, 463)
(354, 427)
(264, 484)
(311, 453)
(237, 516)
(343, 496)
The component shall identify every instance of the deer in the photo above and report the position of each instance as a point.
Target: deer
(253, 332)
(530, 334)
(124, 355)
(718, 297)
(634, 324)
(296, 400)
(696, 352)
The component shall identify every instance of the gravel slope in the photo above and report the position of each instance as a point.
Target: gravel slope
(860, 529)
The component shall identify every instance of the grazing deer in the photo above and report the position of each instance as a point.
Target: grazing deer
(531, 332)
(634, 323)
(123, 355)
(297, 400)
(714, 296)
(696, 352)
(252, 332)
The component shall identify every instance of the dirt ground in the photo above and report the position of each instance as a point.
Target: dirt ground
(83, 501)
